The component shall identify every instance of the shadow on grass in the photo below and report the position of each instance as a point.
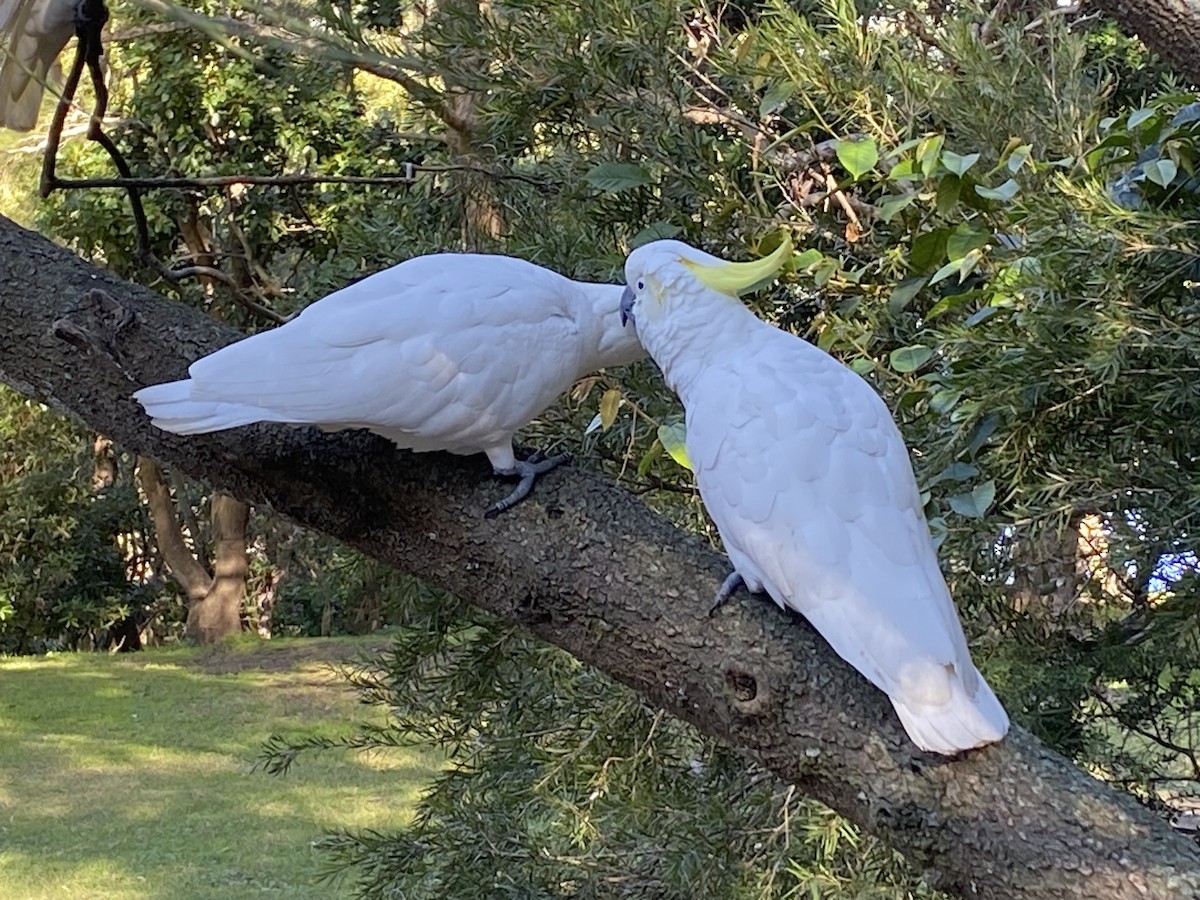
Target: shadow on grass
(133, 777)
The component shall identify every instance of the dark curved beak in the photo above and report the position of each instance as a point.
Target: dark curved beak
(627, 307)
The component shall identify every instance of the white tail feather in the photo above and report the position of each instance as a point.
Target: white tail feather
(172, 408)
(964, 723)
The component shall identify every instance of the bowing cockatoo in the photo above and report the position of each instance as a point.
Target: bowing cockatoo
(32, 34)
(449, 351)
(809, 482)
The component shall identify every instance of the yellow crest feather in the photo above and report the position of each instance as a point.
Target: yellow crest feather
(735, 277)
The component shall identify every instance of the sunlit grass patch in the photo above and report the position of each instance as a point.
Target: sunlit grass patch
(133, 776)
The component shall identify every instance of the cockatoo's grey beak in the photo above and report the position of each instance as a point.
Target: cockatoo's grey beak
(627, 307)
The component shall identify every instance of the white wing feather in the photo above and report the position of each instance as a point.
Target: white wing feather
(443, 352)
(809, 482)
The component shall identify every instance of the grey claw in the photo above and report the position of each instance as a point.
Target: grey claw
(528, 471)
(728, 588)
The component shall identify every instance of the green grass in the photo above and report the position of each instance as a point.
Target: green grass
(132, 776)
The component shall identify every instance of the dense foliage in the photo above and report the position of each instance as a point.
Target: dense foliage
(995, 227)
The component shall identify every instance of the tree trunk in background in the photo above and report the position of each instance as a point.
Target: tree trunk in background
(588, 567)
(1171, 28)
(219, 612)
(483, 217)
(214, 603)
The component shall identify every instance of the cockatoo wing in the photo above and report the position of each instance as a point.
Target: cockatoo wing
(450, 351)
(32, 34)
(809, 482)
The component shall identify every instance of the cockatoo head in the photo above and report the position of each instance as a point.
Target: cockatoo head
(664, 274)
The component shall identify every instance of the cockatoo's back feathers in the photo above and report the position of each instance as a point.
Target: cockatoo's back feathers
(443, 352)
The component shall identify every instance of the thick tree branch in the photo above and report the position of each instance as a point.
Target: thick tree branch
(585, 566)
(1171, 28)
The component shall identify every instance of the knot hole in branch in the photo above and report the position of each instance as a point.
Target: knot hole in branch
(749, 692)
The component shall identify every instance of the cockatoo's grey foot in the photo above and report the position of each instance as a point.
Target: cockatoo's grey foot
(728, 588)
(527, 470)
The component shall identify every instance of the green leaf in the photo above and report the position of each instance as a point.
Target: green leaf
(909, 359)
(945, 272)
(903, 293)
(615, 177)
(857, 157)
(927, 153)
(948, 191)
(893, 204)
(648, 458)
(929, 249)
(1138, 116)
(1019, 157)
(959, 164)
(655, 231)
(964, 239)
(808, 258)
(776, 98)
(1004, 193)
(1161, 171)
(958, 471)
(825, 270)
(946, 304)
(975, 504)
(861, 366)
(672, 438)
(981, 315)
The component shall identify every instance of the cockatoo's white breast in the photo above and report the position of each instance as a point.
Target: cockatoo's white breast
(809, 482)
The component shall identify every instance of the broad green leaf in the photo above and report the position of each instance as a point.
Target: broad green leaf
(672, 438)
(948, 191)
(609, 404)
(1138, 116)
(982, 431)
(776, 98)
(809, 257)
(975, 504)
(944, 272)
(903, 293)
(1161, 171)
(1019, 157)
(649, 457)
(857, 157)
(981, 315)
(959, 164)
(927, 153)
(905, 170)
(615, 177)
(944, 401)
(957, 471)
(909, 359)
(862, 366)
(929, 249)
(893, 204)
(825, 270)
(964, 239)
(946, 304)
(1004, 193)
(655, 231)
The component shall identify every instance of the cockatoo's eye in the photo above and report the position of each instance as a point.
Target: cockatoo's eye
(641, 287)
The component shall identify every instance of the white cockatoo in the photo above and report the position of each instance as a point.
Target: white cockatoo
(449, 351)
(32, 35)
(810, 485)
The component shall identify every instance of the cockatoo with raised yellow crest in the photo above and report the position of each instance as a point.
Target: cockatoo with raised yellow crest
(810, 485)
(451, 351)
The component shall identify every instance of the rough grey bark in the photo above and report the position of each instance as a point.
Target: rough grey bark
(1171, 28)
(586, 566)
